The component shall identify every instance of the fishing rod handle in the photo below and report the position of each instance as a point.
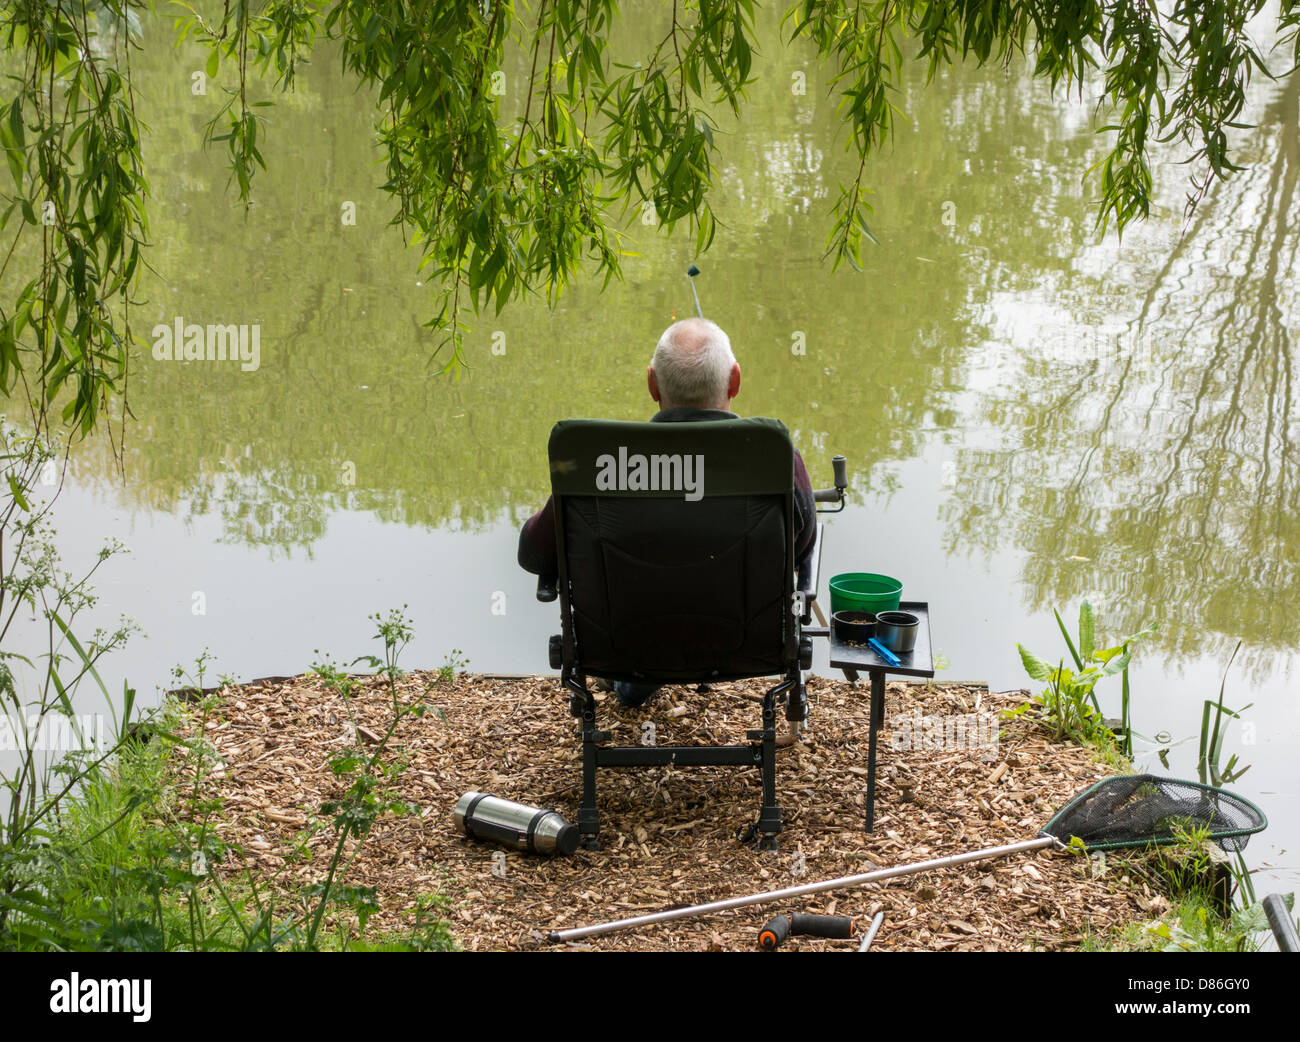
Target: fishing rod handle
(841, 467)
(835, 494)
(773, 935)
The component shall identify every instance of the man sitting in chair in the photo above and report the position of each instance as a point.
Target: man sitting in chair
(692, 376)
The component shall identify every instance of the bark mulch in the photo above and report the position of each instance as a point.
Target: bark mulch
(669, 835)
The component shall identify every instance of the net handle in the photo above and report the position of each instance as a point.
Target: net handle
(1038, 843)
(1043, 840)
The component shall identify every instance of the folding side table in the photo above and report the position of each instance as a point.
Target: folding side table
(853, 659)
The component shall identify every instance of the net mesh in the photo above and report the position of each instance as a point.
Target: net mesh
(1141, 809)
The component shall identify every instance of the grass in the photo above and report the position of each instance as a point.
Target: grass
(121, 873)
(132, 859)
(1194, 921)
(1192, 924)
(116, 869)
(1212, 908)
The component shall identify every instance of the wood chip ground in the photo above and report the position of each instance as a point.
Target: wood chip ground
(669, 835)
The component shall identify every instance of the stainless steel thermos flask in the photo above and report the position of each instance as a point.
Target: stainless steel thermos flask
(481, 815)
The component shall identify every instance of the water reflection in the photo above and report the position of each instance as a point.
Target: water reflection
(1152, 461)
(1162, 450)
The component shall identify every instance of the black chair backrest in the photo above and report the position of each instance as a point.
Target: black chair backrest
(676, 548)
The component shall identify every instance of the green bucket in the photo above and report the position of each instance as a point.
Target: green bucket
(865, 591)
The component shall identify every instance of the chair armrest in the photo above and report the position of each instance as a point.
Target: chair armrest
(546, 591)
(808, 573)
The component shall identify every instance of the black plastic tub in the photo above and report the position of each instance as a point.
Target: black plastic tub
(854, 625)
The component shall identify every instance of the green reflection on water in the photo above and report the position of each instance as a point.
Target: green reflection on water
(1139, 416)
(1163, 449)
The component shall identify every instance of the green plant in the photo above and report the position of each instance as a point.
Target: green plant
(1196, 926)
(429, 930)
(1069, 702)
(1213, 730)
(119, 877)
(296, 922)
(126, 870)
(941, 662)
(369, 791)
(454, 663)
(52, 752)
(1191, 865)
(1215, 906)
(131, 859)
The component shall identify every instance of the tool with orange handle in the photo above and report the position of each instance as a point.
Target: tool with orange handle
(773, 935)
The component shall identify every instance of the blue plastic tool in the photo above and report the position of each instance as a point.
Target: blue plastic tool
(884, 652)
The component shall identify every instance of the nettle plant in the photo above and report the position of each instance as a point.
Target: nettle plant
(261, 912)
(369, 776)
(1068, 704)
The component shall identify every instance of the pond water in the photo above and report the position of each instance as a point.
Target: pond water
(1032, 413)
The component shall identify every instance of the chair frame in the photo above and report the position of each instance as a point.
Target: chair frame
(760, 750)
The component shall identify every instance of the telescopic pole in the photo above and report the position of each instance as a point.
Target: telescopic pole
(561, 936)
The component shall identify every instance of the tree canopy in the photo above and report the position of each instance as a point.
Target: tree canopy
(506, 200)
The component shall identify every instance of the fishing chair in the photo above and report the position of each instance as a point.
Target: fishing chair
(676, 547)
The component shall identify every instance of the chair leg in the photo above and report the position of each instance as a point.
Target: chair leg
(582, 705)
(588, 815)
(796, 706)
(769, 818)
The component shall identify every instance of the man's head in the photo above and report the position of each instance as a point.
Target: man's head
(693, 367)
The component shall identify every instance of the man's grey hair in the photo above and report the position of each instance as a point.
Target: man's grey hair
(692, 364)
